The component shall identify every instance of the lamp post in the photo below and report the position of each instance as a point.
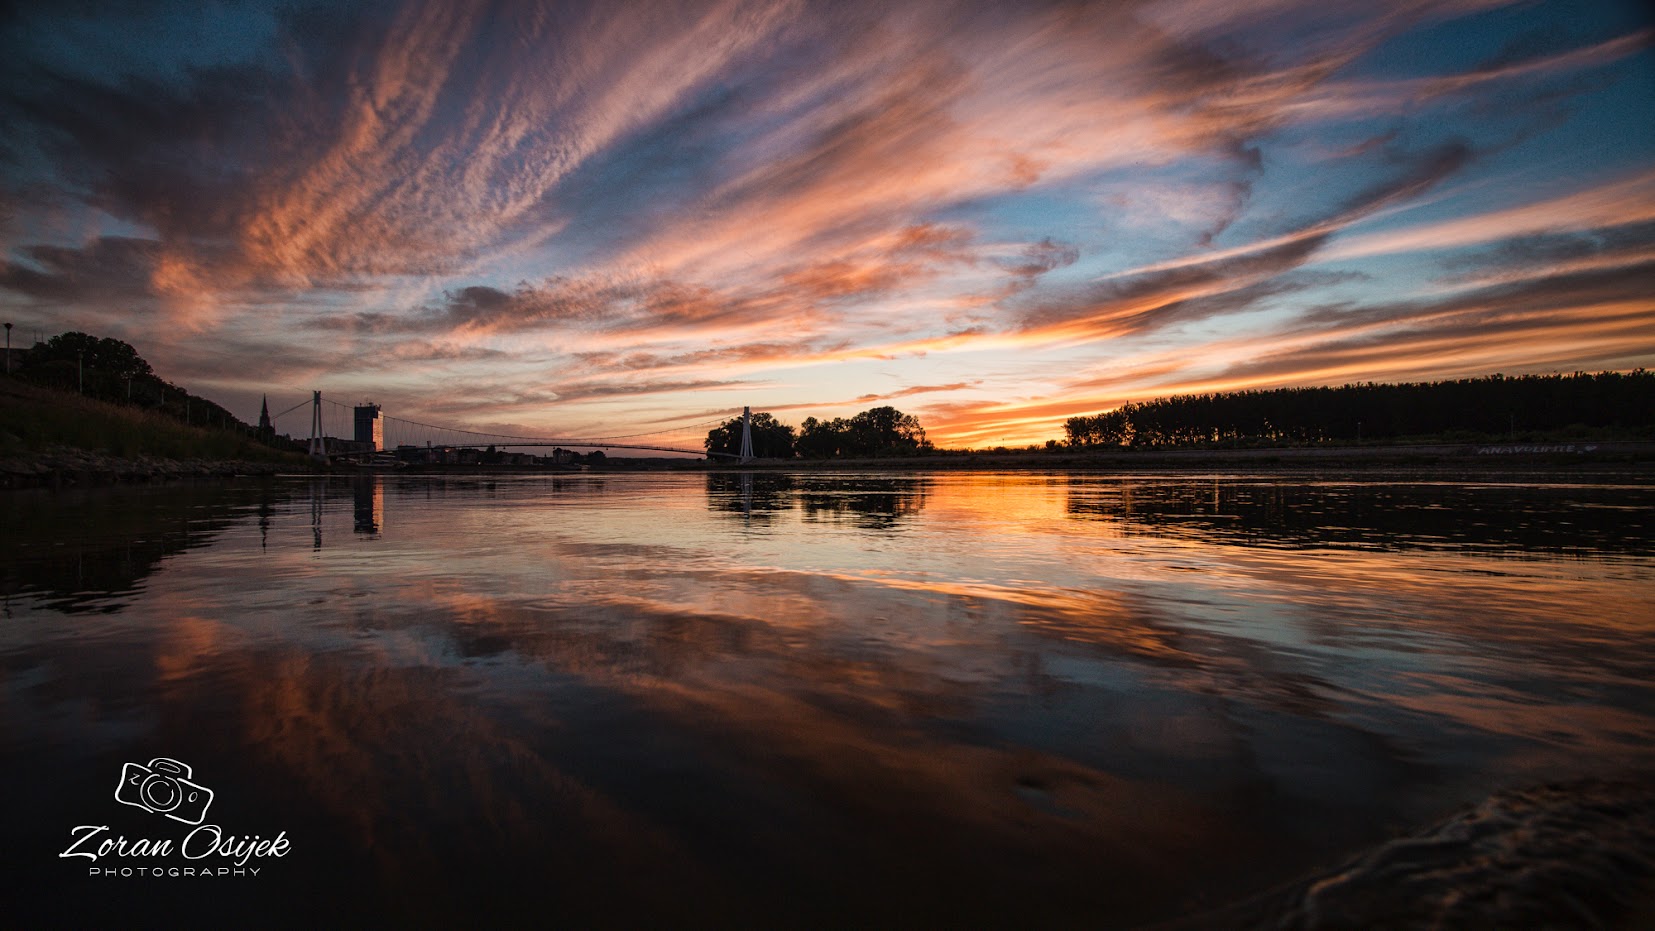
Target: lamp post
(8, 349)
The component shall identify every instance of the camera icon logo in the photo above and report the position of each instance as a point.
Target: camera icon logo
(164, 787)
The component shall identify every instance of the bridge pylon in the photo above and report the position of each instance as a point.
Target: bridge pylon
(318, 448)
(746, 434)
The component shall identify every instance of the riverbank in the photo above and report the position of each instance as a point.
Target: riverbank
(45, 432)
(68, 467)
(1622, 454)
(1618, 455)
(63, 467)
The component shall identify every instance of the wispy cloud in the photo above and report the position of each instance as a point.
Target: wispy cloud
(1607, 206)
(647, 205)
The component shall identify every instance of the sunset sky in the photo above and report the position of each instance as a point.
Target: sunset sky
(600, 219)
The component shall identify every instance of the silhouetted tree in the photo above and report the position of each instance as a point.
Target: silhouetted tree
(106, 356)
(1494, 406)
(886, 431)
(881, 431)
(1110, 428)
(820, 439)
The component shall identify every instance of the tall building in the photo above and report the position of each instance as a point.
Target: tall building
(369, 427)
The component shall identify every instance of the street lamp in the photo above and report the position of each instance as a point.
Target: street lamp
(8, 349)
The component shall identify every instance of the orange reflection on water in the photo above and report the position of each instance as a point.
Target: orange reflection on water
(986, 697)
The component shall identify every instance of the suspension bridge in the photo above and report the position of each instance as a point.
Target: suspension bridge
(372, 433)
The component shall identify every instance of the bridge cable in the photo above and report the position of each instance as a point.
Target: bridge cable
(290, 410)
(507, 436)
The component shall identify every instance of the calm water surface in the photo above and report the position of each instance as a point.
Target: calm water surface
(771, 699)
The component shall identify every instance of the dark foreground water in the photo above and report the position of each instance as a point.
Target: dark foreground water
(668, 699)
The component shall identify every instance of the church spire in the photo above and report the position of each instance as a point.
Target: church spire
(264, 416)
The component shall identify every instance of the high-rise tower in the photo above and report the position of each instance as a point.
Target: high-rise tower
(369, 427)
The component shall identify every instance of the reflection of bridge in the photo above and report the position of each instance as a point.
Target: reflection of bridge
(330, 421)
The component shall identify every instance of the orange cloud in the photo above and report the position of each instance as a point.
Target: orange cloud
(1617, 203)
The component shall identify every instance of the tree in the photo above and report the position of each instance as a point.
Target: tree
(101, 368)
(772, 439)
(108, 356)
(820, 439)
(886, 431)
(1110, 428)
(1495, 406)
(880, 431)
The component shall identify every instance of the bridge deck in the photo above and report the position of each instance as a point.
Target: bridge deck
(563, 444)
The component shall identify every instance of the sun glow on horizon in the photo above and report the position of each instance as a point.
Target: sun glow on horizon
(596, 219)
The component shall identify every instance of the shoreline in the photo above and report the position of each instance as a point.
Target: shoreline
(80, 468)
(76, 468)
(1625, 454)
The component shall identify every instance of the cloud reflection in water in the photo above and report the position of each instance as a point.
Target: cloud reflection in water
(954, 696)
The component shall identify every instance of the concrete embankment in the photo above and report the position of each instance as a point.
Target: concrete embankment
(73, 467)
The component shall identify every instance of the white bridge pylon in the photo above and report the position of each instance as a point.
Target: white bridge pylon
(318, 447)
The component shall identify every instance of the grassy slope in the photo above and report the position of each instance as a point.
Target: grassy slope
(34, 419)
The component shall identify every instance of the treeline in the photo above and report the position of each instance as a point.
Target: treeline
(874, 433)
(1494, 406)
(110, 370)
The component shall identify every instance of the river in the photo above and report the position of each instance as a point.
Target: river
(793, 699)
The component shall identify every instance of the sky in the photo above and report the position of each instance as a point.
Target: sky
(605, 219)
